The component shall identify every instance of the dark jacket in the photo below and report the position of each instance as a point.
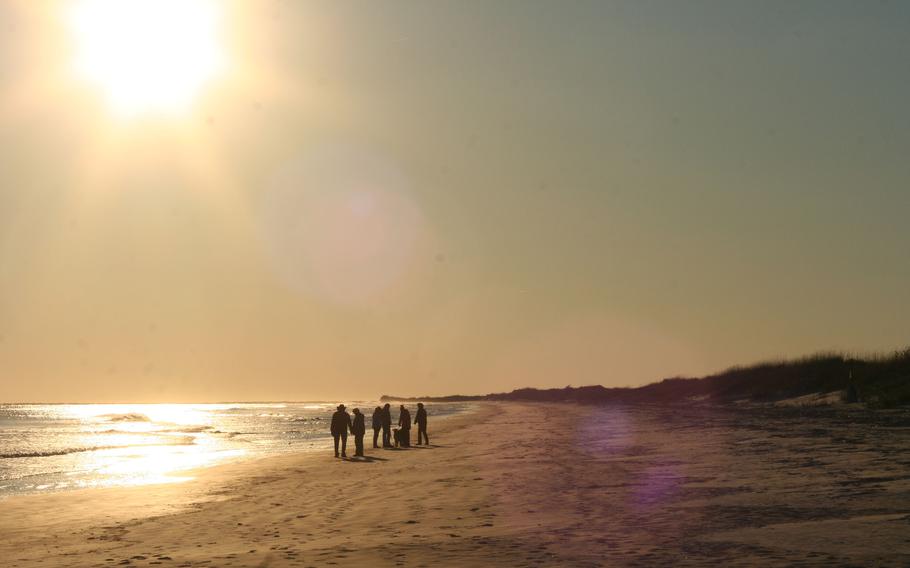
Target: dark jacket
(377, 419)
(341, 422)
(421, 419)
(358, 427)
(404, 419)
(387, 417)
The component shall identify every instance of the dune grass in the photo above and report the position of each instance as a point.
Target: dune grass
(878, 381)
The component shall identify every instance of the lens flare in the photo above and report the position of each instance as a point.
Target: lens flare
(339, 224)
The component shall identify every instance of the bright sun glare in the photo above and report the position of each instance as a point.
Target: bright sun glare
(147, 55)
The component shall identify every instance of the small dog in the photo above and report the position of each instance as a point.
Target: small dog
(396, 434)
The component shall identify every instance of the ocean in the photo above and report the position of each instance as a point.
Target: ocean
(57, 447)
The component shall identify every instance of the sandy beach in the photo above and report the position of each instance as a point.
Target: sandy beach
(516, 485)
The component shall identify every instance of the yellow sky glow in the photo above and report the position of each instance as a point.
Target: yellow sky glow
(209, 200)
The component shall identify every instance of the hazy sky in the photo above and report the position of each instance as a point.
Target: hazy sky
(457, 197)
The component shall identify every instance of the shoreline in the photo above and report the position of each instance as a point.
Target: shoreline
(314, 444)
(26, 515)
(513, 484)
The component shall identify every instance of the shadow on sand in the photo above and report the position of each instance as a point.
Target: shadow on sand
(414, 447)
(363, 459)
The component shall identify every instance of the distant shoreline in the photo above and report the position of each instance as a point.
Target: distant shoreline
(817, 380)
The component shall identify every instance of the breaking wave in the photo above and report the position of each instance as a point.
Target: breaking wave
(177, 441)
(128, 417)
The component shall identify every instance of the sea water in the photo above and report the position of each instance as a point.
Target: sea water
(53, 447)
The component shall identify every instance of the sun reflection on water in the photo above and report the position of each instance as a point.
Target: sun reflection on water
(49, 447)
(148, 443)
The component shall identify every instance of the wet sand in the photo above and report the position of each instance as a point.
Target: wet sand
(519, 485)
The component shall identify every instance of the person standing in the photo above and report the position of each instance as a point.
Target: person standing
(386, 426)
(376, 423)
(358, 428)
(341, 423)
(404, 425)
(421, 421)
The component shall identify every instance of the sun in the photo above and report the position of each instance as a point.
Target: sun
(147, 55)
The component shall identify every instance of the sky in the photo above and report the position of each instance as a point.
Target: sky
(429, 198)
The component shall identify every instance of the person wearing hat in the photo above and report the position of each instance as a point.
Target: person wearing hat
(358, 429)
(421, 421)
(341, 423)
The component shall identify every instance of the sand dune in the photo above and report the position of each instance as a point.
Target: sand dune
(515, 485)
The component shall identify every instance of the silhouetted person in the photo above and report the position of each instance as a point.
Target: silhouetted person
(341, 423)
(404, 425)
(421, 421)
(386, 426)
(376, 423)
(358, 428)
(852, 393)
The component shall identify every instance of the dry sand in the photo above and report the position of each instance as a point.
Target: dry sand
(517, 485)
